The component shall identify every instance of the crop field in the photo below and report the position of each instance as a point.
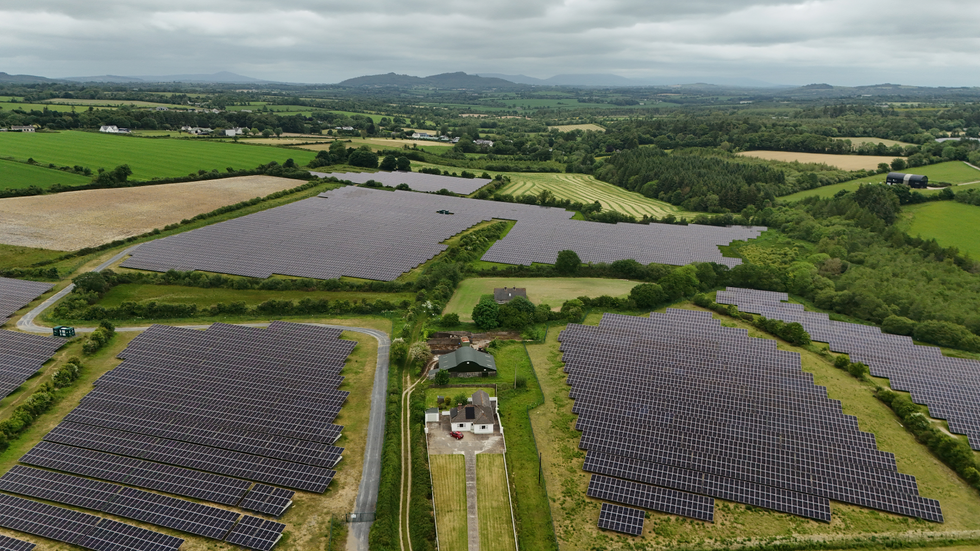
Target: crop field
(586, 189)
(552, 291)
(147, 158)
(41, 107)
(954, 172)
(99, 216)
(875, 141)
(575, 515)
(493, 504)
(449, 495)
(950, 223)
(14, 175)
(845, 162)
(111, 103)
(582, 127)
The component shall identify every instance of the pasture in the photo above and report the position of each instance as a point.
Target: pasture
(449, 496)
(575, 515)
(950, 223)
(99, 216)
(875, 141)
(493, 504)
(552, 291)
(845, 162)
(954, 172)
(14, 175)
(582, 127)
(10, 106)
(586, 189)
(159, 158)
(111, 103)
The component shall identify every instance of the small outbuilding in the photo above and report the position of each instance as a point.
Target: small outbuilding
(432, 415)
(505, 295)
(917, 181)
(476, 417)
(468, 362)
(63, 331)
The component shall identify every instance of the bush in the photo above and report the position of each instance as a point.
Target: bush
(567, 263)
(485, 313)
(450, 320)
(647, 295)
(858, 370)
(897, 325)
(442, 378)
(944, 333)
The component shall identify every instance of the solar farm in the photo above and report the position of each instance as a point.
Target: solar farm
(235, 416)
(17, 293)
(379, 235)
(949, 386)
(676, 411)
(418, 181)
(23, 355)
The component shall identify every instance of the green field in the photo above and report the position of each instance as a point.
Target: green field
(950, 223)
(586, 189)
(14, 175)
(158, 158)
(954, 172)
(42, 106)
(493, 504)
(552, 291)
(449, 495)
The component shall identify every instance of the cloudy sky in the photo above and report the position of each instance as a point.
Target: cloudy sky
(843, 42)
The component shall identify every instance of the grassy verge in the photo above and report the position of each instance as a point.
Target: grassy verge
(449, 493)
(575, 514)
(493, 505)
(540, 290)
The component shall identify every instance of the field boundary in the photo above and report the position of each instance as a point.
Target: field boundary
(541, 477)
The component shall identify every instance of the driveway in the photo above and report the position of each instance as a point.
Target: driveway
(441, 443)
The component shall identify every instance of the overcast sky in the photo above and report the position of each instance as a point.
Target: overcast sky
(843, 42)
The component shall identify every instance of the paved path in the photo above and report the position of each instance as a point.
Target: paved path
(367, 492)
(472, 520)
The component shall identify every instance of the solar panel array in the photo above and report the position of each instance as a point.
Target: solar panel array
(10, 544)
(268, 499)
(677, 402)
(81, 529)
(256, 533)
(418, 181)
(621, 519)
(23, 355)
(17, 293)
(375, 234)
(949, 386)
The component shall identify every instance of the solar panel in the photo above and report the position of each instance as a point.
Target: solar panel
(21, 356)
(256, 533)
(375, 234)
(57, 487)
(110, 535)
(268, 499)
(17, 293)
(417, 181)
(44, 520)
(621, 519)
(651, 497)
(186, 516)
(8, 543)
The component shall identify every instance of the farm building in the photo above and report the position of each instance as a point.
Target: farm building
(911, 180)
(476, 417)
(467, 362)
(505, 295)
(22, 129)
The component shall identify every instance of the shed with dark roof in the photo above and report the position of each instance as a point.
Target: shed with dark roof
(466, 361)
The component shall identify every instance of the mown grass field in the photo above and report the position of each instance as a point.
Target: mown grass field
(42, 106)
(147, 158)
(493, 504)
(552, 291)
(875, 141)
(582, 127)
(14, 175)
(586, 189)
(449, 494)
(954, 172)
(575, 515)
(950, 223)
(846, 162)
(111, 103)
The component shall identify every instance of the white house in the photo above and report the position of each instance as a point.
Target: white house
(113, 129)
(22, 129)
(477, 417)
(234, 131)
(488, 143)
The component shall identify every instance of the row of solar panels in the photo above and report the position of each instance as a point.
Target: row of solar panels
(418, 181)
(21, 356)
(17, 293)
(949, 386)
(676, 410)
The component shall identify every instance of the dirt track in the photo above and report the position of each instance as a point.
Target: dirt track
(77, 219)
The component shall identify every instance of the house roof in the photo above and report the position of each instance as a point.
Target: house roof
(467, 354)
(471, 413)
(507, 294)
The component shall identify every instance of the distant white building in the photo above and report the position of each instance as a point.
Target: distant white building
(22, 129)
(234, 131)
(113, 129)
(477, 417)
(196, 130)
(488, 143)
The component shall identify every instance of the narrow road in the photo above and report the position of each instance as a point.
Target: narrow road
(367, 492)
(405, 496)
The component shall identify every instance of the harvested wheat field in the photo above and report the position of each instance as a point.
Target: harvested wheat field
(77, 219)
(845, 162)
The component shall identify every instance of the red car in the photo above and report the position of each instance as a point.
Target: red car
(456, 434)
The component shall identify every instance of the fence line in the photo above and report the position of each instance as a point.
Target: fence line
(527, 410)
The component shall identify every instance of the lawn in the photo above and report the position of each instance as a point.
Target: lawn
(14, 175)
(575, 515)
(950, 223)
(449, 494)
(954, 172)
(148, 158)
(552, 291)
(586, 189)
(204, 298)
(432, 397)
(493, 504)
(845, 162)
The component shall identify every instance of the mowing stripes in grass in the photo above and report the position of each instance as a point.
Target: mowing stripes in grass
(14, 175)
(449, 494)
(586, 189)
(493, 504)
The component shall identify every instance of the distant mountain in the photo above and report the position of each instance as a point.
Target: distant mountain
(442, 81)
(610, 80)
(223, 77)
(23, 79)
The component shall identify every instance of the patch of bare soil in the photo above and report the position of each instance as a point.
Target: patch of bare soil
(77, 219)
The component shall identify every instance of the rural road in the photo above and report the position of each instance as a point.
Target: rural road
(367, 492)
